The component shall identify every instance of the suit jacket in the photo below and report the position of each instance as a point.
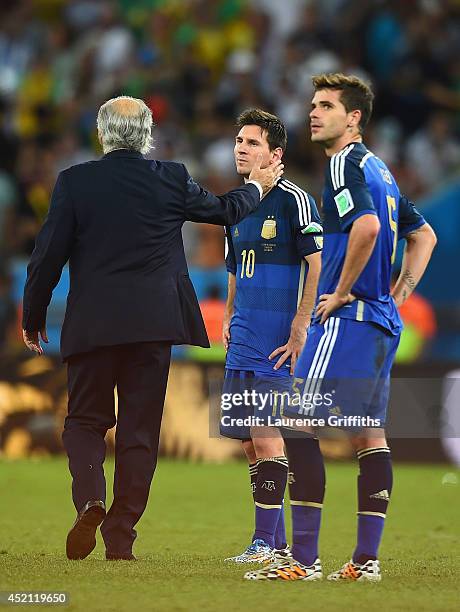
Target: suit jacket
(118, 221)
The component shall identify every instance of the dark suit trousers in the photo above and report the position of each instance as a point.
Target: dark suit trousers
(140, 373)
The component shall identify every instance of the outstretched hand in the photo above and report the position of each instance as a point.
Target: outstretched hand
(268, 176)
(32, 341)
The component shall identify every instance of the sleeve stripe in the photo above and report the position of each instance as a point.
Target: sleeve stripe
(227, 232)
(342, 166)
(337, 167)
(332, 171)
(297, 198)
(305, 201)
(365, 158)
(333, 165)
(301, 281)
(301, 198)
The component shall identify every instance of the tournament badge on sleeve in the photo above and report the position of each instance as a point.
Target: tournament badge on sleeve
(269, 228)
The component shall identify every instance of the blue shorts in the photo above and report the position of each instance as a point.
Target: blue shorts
(250, 399)
(343, 374)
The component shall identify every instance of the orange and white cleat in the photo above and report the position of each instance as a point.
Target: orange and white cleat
(357, 572)
(288, 569)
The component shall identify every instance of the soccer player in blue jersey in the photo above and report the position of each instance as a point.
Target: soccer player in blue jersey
(355, 331)
(273, 262)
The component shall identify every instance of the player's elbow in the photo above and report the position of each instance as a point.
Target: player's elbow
(368, 226)
(423, 235)
(430, 236)
(373, 227)
(314, 263)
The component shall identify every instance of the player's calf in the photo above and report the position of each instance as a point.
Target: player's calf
(375, 483)
(306, 489)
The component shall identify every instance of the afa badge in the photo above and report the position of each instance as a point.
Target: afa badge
(269, 228)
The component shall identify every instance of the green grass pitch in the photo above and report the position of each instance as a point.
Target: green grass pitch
(198, 514)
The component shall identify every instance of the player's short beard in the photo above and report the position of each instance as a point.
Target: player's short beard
(243, 173)
(326, 143)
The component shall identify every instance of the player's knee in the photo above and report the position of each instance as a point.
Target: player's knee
(363, 441)
(249, 451)
(268, 447)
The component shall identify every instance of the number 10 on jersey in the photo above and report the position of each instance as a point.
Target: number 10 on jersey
(248, 260)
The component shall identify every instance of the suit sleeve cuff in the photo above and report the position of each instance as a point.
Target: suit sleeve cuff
(258, 185)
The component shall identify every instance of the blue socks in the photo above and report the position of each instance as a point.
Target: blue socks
(370, 530)
(266, 521)
(306, 521)
(307, 486)
(280, 533)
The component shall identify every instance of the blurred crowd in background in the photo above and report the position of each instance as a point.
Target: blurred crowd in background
(197, 64)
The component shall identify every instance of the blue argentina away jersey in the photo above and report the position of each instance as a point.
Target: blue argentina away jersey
(358, 183)
(266, 253)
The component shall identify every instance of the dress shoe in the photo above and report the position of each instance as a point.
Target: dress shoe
(81, 539)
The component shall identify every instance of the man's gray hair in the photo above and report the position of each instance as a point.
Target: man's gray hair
(125, 123)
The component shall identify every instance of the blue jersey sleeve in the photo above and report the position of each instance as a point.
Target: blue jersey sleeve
(230, 259)
(350, 191)
(308, 235)
(409, 218)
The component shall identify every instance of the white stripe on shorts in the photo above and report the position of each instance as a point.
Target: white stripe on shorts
(328, 356)
(320, 353)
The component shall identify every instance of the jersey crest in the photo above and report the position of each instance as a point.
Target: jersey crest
(269, 228)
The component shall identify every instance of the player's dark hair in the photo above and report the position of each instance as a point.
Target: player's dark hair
(276, 131)
(356, 93)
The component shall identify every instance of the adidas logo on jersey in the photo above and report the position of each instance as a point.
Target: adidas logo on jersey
(236, 233)
(383, 494)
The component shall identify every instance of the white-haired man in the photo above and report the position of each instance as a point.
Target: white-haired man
(118, 221)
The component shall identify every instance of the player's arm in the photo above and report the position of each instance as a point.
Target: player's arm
(357, 215)
(307, 302)
(228, 312)
(361, 243)
(301, 321)
(420, 242)
(308, 239)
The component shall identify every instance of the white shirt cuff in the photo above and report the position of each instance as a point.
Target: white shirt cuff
(258, 185)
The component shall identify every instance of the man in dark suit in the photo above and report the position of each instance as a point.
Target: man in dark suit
(118, 222)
